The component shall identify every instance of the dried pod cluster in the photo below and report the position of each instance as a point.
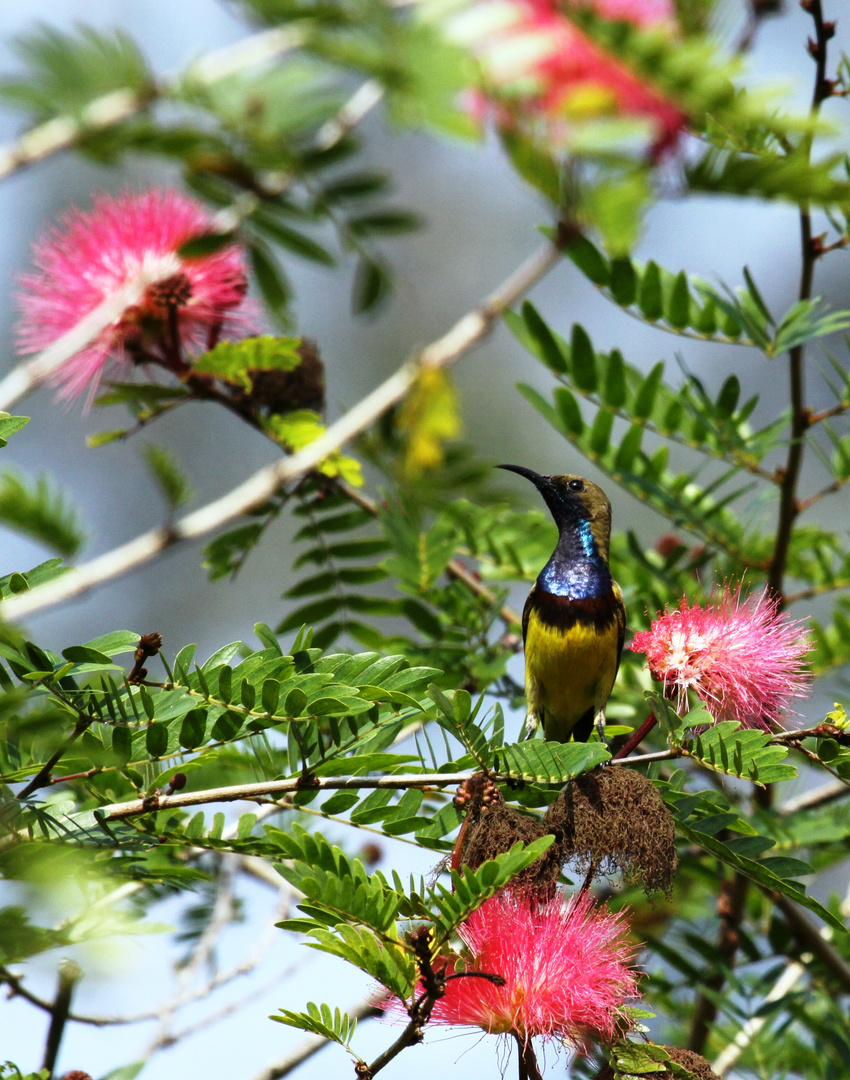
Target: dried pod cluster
(697, 1067)
(613, 819)
(609, 820)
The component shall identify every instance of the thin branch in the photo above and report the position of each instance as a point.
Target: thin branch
(658, 755)
(636, 737)
(33, 372)
(468, 332)
(63, 132)
(830, 489)
(361, 102)
(817, 590)
(70, 974)
(810, 799)
(42, 777)
(838, 409)
(789, 506)
(17, 989)
(455, 569)
(814, 940)
(790, 738)
(266, 788)
(248, 792)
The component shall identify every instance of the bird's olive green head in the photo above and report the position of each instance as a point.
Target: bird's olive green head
(571, 500)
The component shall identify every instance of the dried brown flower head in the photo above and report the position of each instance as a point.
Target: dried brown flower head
(613, 819)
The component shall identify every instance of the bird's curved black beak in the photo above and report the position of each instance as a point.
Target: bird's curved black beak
(536, 478)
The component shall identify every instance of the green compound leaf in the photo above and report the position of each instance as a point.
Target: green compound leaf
(335, 1026)
(677, 302)
(235, 362)
(759, 871)
(549, 762)
(729, 748)
(40, 511)
(472, 887)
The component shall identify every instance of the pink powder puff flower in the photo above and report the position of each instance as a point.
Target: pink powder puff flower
(539, 67)
(565, 963)
(542, 72)
(127, 245)
(643, 13)
(743, 658)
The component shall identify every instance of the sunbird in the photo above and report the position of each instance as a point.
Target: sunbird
(574, 619)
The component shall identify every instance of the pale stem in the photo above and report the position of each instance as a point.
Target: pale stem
(33, 372)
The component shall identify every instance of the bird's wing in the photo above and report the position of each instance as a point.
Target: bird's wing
(621, 623)
(532, 695)
(526, 611)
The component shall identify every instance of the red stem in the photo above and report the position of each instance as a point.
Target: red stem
(636, 738)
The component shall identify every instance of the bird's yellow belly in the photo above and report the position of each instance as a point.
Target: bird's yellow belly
(569, 671)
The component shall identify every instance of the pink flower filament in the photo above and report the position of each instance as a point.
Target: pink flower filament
(744, 659)
(536, 61)
(565, 964)
(128, 246)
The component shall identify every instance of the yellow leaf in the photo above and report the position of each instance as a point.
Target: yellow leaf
(429, 417)
(298, 429)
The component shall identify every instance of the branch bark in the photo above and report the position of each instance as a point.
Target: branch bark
(69, 975)
(789, 505)
(265, 789)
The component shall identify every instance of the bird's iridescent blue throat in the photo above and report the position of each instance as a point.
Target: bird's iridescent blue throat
(576, 569)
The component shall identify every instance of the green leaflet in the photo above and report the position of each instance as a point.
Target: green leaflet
(686, 414)
(236, 362)
(334, 1026)
(40, 512)
(758, 871)
(548, 762)
(472, 887)
(333, 883)
(10, 425)
(729, 748)
(673, 301)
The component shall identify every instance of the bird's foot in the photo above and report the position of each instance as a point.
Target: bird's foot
(531, 726)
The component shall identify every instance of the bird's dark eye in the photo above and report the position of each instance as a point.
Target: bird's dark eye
(576, 485)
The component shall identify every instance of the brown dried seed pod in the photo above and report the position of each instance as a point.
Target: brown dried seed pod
(696, 1065)
(698, 1068)
(476, 793)
(497, 829)
(613, 819)
(301, 388)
